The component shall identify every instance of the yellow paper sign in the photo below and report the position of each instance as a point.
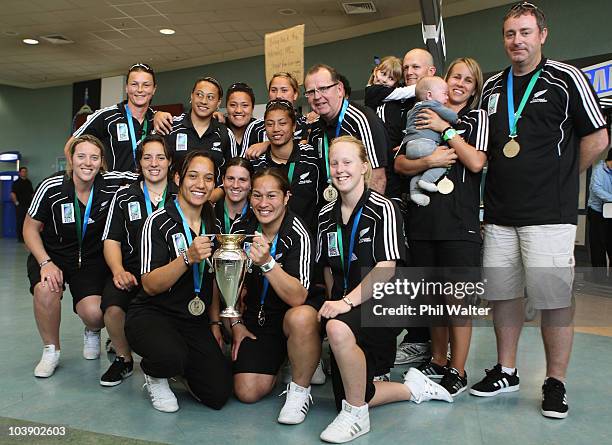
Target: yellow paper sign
(285, 52)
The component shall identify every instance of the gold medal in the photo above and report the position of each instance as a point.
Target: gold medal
(330, 193)
(512, 148)
(446, 186)
(196, 306)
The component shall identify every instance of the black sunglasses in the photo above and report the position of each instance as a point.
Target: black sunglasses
(523, 5)
(239, 86)
(280, 102)
(144, 66)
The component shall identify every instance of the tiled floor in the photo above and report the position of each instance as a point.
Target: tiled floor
(74, 398)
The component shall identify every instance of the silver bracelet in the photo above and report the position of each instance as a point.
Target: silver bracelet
(47, 261)
(234, 323)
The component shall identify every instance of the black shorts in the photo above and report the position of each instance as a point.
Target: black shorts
(316, 297)
(266, 354)
(83, 282)
(377, 345)
(111, 296)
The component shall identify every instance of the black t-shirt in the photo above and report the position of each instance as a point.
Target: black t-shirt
(23, 190)
(127, 214)
(360, 122)
(294, 253)
(217, 140)
(307, 184)
(454, 217)
(380, 235)
(110, 125)
(220, 216)
(53, 205)
(540, 185)
(256, 132)
(162, 240)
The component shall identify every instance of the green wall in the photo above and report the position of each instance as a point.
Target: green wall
(37, 122)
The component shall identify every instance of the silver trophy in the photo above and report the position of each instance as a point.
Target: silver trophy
(230, 263)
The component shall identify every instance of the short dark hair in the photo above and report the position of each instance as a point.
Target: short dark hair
(239, 161)
(240, 87)
(609, 157)
(526, 8)
(142, 67)
(189, 157)
(277, 174)
(283, 105)
(209, 79)
(23, 168)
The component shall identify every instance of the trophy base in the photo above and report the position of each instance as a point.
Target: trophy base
(230, 312)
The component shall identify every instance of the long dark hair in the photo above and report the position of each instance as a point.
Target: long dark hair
(208, 213)
(140, 151)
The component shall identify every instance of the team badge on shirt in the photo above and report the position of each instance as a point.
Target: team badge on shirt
(492, 105)
(134, 211)
(216, 146)
(181, 142)
(332, 244)
(67, 213)
(180, 245)
(122, 132)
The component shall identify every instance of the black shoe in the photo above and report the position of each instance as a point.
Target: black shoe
(111, 354)
(433, 370)
(554, 399)
(453, 382)
(495, 382)
(118, 371)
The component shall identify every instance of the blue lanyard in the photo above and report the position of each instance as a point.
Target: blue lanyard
(351, 248)
(513, 116)
(198, 269)
(128, 113)
(266, 283)
(345, 105)
(148, 199)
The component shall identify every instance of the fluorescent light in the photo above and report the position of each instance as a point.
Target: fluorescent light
(8, 157)
(30, 41)
(167, 31)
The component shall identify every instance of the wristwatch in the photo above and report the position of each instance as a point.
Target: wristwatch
(185, 258)
(267, 267)
(449, 133)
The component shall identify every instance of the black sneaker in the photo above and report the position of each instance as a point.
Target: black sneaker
(495, 382)
(554, 399)
(453, 382)
(118, 371)
(433, 370)
(111, 354)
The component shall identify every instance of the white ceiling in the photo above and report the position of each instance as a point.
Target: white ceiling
(110, 35)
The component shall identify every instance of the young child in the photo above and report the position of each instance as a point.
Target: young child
(383, 84)
(432, 92)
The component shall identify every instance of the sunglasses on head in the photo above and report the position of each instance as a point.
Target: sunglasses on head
(239, 86)
(523, 5)
(144, 66)
(280, 102)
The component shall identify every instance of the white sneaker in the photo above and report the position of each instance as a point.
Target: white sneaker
(423, 389)
(318, 378)
(91, 344)
(296, 405)
(412, 353)
(162, 397)
(349, 424)
(48, 362)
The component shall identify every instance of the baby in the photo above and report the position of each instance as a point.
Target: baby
(383, 83)
(432, 92)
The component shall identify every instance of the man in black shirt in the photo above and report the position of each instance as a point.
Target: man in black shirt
(536, 152)
(21, 195)
(339, 117)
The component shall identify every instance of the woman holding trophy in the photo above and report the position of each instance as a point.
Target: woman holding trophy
(173, 323)
(360, 234)
(276, 289)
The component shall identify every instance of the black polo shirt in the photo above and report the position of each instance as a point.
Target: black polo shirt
(256, 131)
(220, 216)
(294, 253)
(380, 235)
(110, 125)
(126, 217)
(360, 122)
(53, 205)
(454, 217)
(540, 185)
(217, 140)
(23, 190)
(161, 241)
(307, 184)
(244, 144)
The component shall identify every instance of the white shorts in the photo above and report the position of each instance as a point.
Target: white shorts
(535, 259)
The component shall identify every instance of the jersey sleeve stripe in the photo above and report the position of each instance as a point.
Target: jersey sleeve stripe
(42, 191)
(365, 133)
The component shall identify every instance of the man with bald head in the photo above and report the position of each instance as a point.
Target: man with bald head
(417, 63)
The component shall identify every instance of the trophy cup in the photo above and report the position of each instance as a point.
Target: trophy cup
(230, 263)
